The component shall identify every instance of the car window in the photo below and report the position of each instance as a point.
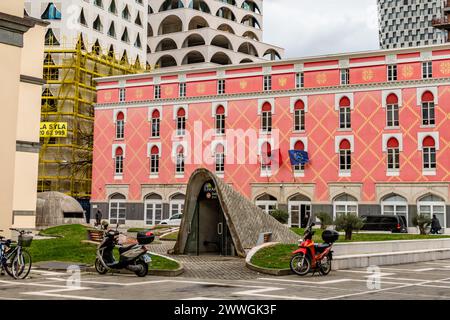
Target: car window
(176, 216)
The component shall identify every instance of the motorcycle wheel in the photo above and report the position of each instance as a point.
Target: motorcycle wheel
(99, 267)
(300, 264)
(325, 265)
(143, 270)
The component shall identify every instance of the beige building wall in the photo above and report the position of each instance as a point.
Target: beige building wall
(21, 45)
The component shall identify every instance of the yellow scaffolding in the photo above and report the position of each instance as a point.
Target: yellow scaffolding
(69, 95)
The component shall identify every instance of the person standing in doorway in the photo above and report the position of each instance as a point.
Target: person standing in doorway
(98, 217)
(435, 225)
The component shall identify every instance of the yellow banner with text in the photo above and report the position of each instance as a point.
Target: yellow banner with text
(53, 130)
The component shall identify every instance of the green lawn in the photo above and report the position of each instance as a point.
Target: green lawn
(356, 237)
(278, 256)
(173, 236)
(68, 247)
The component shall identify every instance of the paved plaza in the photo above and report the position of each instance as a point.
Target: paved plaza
(426, 280)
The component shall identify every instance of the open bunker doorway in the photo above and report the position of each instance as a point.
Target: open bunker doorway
(209, 232)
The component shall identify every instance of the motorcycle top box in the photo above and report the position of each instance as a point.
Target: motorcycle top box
(145, 237)
(330, 236)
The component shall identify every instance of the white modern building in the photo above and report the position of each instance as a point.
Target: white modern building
(116, 27)
(409, 23)
(202, 32)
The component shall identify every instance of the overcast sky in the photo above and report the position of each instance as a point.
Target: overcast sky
(315, 27)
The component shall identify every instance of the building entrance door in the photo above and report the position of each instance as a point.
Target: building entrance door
(299, 213)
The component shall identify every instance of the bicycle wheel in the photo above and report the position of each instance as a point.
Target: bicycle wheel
(21, 265)
(7, 262)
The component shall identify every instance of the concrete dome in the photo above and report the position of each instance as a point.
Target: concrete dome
(55, 208)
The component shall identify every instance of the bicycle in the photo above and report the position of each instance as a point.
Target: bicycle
(16, 260)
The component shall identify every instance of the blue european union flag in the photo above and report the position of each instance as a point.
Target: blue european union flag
(298, 157)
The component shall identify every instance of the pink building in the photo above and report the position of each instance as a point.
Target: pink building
(374, 124)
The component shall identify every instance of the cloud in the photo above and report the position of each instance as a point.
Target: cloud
(315, 27)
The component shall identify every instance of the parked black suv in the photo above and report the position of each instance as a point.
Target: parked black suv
(395, 224)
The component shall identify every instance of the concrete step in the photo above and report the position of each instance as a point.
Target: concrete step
(388, 258)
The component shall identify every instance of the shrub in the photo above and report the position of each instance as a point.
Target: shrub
(348, 223)
(422, 222)
(280, 215)
(325, 220)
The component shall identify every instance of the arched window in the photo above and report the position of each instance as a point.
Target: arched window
(171, 5)
(431, 205)
(181, 122)
(98, 24)
(199, 5)
(345, 204)
(429, 153)
(51, 13)
(345, 156)
(155, 124)
(344, 113)
(266, 117)
(266, 158)
(299, 116)
(177, 205)
(154, 160)
(392, 112)
(112, 30)
(179, 166)
(117, 209)
(118, 161)
(126, 13)
(393, 155)
(428, 109)
(50, 38)
(395, 205)
(120, 125)
(219, 156)
(153, 209)
(299, 168)
(112, 7)
(220, 120)
(267, 203)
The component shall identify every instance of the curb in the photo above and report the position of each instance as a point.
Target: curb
(273, 272)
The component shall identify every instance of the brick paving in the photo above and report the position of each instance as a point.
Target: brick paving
(208, 267)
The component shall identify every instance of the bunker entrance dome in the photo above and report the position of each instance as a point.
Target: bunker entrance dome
(219, 220)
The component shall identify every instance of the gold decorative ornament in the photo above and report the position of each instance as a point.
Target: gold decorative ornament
(107, 96)
(321, 78)
(367, 75)
(243, 84)
(407, 71)
(282, 82)
(139, 93)
(201, 88)
(445, 67)
(168, 91)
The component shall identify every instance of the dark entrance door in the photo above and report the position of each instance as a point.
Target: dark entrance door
(209, 233)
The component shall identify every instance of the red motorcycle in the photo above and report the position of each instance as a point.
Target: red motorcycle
(311, 256)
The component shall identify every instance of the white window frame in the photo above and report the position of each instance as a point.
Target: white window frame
(157, 93)
(182, 89)
(154, 159)
(395, 204)
(180, 166)
(118, 164)
(219, 123)
(181, 126)
(392, 72)
(266, 118)
(393, 110)
(120, 129)
(219, 163)
(345, 77)
(179, 207)
(300, 80)
(427, 70)
(120, 203)
(152, 203)
(266, 204)
(299, 116)
(346, 204)
(155, 122)
(267, 83)
(430, 105)
(122, 95)
(428, 152)
(348, 166)
(347, 124)
(221, 86)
